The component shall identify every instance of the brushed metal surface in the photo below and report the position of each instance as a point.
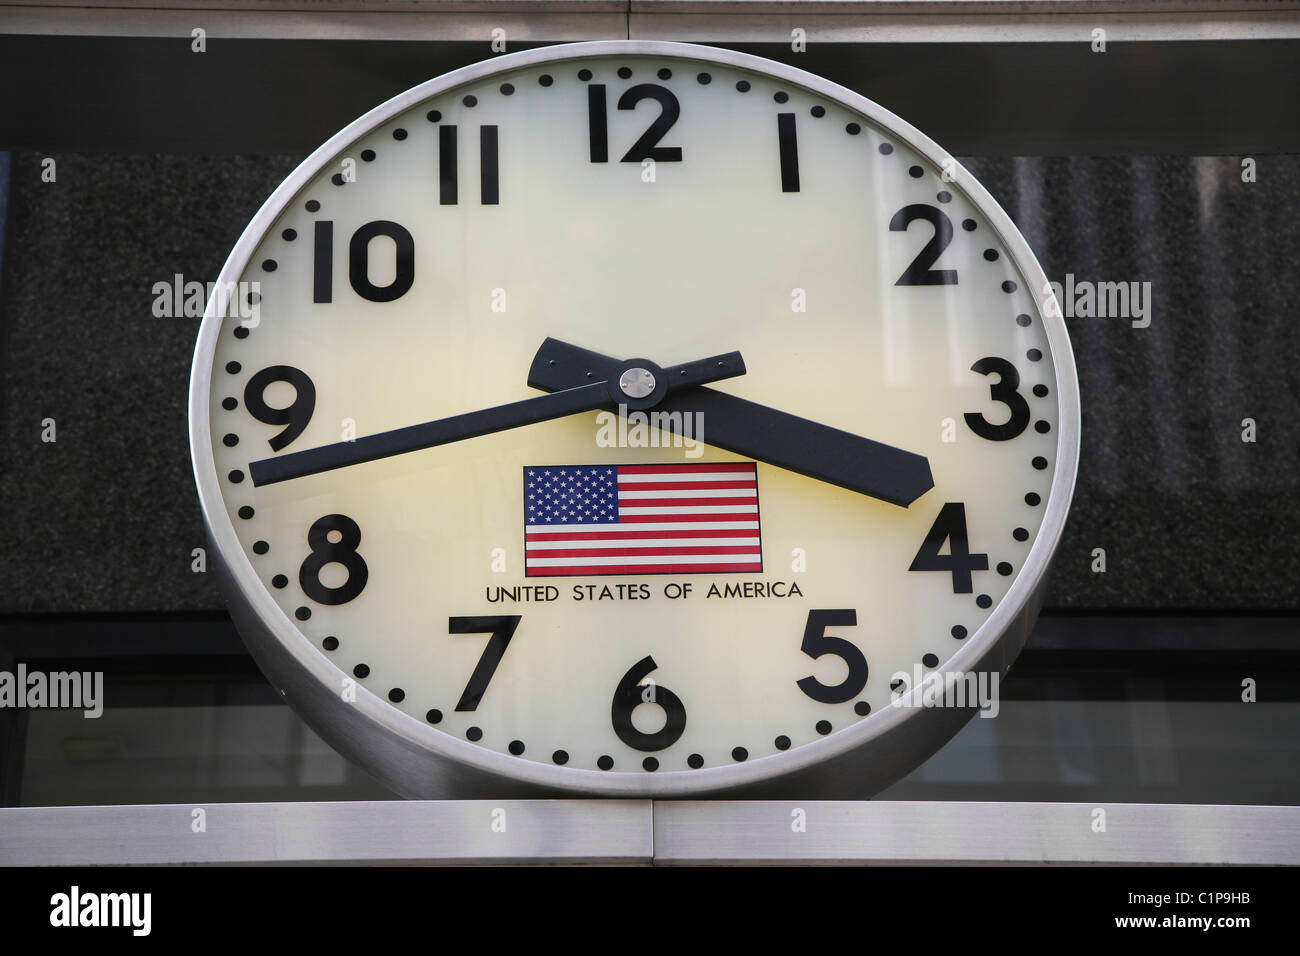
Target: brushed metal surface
(958, 21)
(756, 21)
(523, 21)
(700, 832)
(639, 832)
(451, 831)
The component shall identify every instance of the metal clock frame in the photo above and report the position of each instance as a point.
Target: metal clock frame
(418, 760)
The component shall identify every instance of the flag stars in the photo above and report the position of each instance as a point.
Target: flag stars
(572, 494)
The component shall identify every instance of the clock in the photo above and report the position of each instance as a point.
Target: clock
(633, 418)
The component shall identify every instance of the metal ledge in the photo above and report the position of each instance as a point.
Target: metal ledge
(641, 832)
(432, 832)
(966, 833)
(959, 21)
(522, 23)
(730, 21)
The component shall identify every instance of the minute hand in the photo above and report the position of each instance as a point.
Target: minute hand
(778, 438)
(592, 390)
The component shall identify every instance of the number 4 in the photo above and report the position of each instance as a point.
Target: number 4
(950, 526)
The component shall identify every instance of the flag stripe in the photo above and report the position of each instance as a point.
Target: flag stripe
(625, 504)
(639, 541)
(642, 531)
(643, 527)
(684, 485)
(685, 511)
(686, 478)
(745, 494)
(635, 470)
(712, 516)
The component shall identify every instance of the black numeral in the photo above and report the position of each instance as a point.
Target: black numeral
(449, 166)
(789, 145)
(630, 694)
(647, 146)
(325, 551)
(323, 262)
(502, 628)
(1004, 391)
(489, 180)
(816, 643)
(359, 262)
(296, 415)
(950, 526)
(919, 272)
(598, 123)
(448, 171)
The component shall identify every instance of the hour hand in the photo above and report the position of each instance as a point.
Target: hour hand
(756, 431)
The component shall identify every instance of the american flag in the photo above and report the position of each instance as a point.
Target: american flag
(641, 519)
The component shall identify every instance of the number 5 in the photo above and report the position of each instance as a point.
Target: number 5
(816, 643)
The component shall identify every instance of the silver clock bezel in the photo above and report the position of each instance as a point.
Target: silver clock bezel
(418, 760)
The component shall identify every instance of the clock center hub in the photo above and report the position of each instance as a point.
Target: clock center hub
(637, 382)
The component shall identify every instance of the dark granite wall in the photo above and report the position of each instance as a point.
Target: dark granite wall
(1189, 515)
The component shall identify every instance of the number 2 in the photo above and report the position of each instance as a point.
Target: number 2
(919, 272)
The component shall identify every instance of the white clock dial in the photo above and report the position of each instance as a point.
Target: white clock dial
(590, 602)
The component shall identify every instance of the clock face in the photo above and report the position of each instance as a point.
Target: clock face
(740, 570)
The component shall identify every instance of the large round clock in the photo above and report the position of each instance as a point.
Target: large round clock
(633, 418)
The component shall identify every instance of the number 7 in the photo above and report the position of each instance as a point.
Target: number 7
(502, 628)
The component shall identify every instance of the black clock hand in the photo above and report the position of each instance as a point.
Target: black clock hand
(644, 385)
(756, 431)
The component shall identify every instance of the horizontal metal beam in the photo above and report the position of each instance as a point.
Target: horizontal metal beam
(954, 21)
(937, 833)
(728, 21)
(521, 23)
(638, 831)
(444, 831)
